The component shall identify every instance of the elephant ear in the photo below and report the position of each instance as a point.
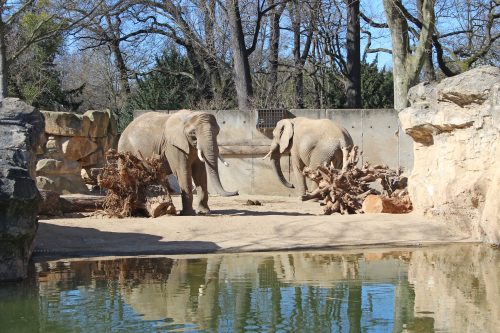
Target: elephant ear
(286, 135)
(175, 131)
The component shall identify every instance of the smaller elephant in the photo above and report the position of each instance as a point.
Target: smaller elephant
(187, 140)
(311, 143)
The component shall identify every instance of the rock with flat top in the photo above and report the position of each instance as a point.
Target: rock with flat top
(66, 123)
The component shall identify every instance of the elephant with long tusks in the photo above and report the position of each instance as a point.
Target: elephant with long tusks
(311, 143)
(188, 142)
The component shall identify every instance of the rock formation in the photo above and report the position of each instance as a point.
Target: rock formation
(21, 131)
(75, 142)
(456, 128)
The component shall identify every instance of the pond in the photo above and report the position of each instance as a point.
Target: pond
(453, 288)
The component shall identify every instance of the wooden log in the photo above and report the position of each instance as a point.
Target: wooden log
(383, 204)
(157, 201)
(243, 150)
(81, 203)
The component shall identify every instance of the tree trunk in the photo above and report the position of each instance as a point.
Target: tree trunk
(399, 36)
(406, 67)
(198, 71)
(209, 57)
(274, 40)
(428, 68)
(3, 63)
(298, 74)
(242, 77)
(353, 66)
(122, 69)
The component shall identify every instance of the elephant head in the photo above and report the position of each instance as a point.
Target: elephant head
(197, 130)
(282, 142)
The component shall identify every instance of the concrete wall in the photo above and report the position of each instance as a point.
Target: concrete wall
(375, 131)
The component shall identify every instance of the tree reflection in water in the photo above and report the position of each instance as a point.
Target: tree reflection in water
(447, 289)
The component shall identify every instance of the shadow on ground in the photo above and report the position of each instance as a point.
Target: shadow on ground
(85, 242)
(247, 212)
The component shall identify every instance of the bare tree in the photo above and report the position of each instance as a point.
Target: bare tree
(353, 65)
(274, 40)
(407, 63)
(242, 77)
(473, 36)
(300, 54)
(240, 51)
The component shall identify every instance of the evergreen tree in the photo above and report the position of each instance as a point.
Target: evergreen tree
(169, 86)
(376, 86)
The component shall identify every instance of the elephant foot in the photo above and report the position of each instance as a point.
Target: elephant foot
(187, 212)
(308, 197)
(202, 210)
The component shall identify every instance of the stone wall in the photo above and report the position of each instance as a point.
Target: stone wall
(455, 125)
(75, 144)
(21, 132)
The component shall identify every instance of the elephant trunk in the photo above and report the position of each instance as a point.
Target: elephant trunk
(210, 153)
(276, 159)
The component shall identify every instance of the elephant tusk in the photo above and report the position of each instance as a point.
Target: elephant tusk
(268, 154)
(200, 155)
(223, 161)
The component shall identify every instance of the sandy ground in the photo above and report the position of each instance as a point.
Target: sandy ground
(280, 223)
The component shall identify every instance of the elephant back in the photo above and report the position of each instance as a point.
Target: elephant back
(144, 134)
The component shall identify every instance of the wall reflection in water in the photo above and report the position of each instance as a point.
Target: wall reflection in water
(452, 288)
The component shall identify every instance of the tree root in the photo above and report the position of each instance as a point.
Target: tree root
(343, 191)
(135, 186)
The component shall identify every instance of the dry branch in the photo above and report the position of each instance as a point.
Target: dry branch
(343, 191)
(135, 185)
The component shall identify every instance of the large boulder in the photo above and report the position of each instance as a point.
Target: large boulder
(456, 128)
(21, 127)
(50, 166)
(99, 122)
(77, 147)
(62, 184)
(66, 123)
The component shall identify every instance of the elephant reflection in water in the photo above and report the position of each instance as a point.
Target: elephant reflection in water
(193, 291)
(427, 288)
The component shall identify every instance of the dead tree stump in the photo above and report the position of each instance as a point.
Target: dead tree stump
(135, 185)
(344, 191)
(157, 201)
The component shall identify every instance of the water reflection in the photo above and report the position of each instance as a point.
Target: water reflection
(452, 289)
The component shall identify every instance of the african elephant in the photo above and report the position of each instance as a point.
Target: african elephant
(311, 142)
(188, 142)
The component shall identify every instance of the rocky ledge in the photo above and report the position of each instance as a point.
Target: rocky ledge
(21, 129)
(456, 128)
(75, 144)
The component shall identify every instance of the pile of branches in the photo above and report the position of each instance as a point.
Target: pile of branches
(135, 185)
(343, 191)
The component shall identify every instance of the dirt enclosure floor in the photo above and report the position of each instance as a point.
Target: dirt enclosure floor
(281, 223)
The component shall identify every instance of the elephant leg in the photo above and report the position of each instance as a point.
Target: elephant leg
(200, 180)
(300, 179)
(182, 171)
